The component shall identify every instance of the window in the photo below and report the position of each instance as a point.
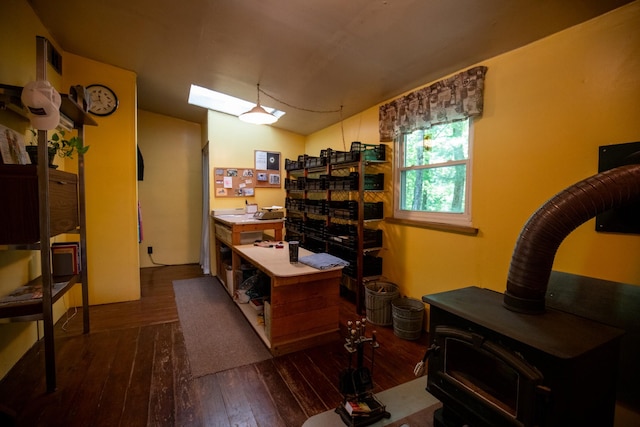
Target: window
(433, 174)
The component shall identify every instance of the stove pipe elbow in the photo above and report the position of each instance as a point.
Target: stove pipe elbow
(541, 236)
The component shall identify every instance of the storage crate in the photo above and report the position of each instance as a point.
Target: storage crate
(316, 207)
(348, 236)
(348, 209)
(292, 204)
(373, 210)
(344, 183)
(314, 184)
(337, 157)
(370, 151)
(295, 225)
(313, 245)
(315, 229)
(293, 233)
(314, 162)
(340, 232)
(301, 182)
(292, 164)
(374, 181)
(371, 266)
(344, 253)
(343, 209)
(294, 184)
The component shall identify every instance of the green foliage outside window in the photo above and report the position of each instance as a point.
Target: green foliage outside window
(434, 170)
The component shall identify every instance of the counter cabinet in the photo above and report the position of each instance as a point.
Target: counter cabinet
(304, 304)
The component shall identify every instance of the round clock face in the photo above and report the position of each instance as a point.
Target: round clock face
(103, 100)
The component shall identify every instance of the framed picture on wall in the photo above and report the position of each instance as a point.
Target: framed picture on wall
(274, 178)
(267, 168)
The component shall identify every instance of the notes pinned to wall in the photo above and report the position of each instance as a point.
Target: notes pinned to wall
(234, 182)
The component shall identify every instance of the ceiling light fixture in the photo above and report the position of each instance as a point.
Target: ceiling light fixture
(258, 115)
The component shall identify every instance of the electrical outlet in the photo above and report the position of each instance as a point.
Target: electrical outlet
(149, 250)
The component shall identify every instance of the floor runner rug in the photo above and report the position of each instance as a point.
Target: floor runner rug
(217, 335)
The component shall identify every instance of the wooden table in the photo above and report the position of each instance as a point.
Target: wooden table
(303, 310)
(228, 230)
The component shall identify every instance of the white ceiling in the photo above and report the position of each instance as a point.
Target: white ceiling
(316, 55)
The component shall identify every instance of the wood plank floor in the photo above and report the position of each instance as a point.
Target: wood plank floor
(132, 370)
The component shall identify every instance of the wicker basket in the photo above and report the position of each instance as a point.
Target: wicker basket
(379, 295)
(407, 317)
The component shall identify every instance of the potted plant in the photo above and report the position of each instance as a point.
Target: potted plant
(59, 144)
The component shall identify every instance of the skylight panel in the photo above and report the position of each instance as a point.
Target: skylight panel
(216, 101)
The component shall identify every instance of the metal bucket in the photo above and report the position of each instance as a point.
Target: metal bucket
(379, 295)
(408, 314)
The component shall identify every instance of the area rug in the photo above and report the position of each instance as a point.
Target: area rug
(217, 335)
(408, 403)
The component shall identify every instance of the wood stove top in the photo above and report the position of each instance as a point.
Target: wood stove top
(557, 333)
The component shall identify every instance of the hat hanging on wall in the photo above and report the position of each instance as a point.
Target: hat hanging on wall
(43, 104)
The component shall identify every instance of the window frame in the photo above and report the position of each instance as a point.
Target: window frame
(450, 218)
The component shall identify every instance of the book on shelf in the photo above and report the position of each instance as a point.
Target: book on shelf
(28, 292)
(257, 304)
(355, 407)
(66, 258)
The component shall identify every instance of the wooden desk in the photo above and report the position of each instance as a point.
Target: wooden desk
(229, 229)
(304, 305)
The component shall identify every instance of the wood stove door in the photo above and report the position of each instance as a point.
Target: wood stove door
(490, 382)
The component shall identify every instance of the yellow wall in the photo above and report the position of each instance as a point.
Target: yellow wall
(548, 106)
(111, 185)
(171, 193)
(232, 144)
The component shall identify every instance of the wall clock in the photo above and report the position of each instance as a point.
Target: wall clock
(103, 100)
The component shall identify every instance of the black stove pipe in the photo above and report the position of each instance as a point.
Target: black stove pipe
(541, 236)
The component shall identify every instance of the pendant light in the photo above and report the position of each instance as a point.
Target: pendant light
(258, 115)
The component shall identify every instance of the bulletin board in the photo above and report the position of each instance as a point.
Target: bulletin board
(267, 168)
(234, 182)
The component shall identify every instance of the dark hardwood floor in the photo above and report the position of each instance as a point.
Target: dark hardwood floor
(132, 370)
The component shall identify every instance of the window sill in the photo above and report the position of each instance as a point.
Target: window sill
(449, 228)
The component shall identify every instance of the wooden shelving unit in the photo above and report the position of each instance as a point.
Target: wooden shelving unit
(34, 300)
(334, 202)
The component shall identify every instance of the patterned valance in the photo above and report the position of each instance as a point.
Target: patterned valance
(450, 99)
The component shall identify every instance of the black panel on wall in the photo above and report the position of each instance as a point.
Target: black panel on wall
(140, 166)
(627, 219)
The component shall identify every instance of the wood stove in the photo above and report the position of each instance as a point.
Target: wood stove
(508, 360)
(496, 367)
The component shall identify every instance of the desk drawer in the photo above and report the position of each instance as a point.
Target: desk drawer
(224, 234)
